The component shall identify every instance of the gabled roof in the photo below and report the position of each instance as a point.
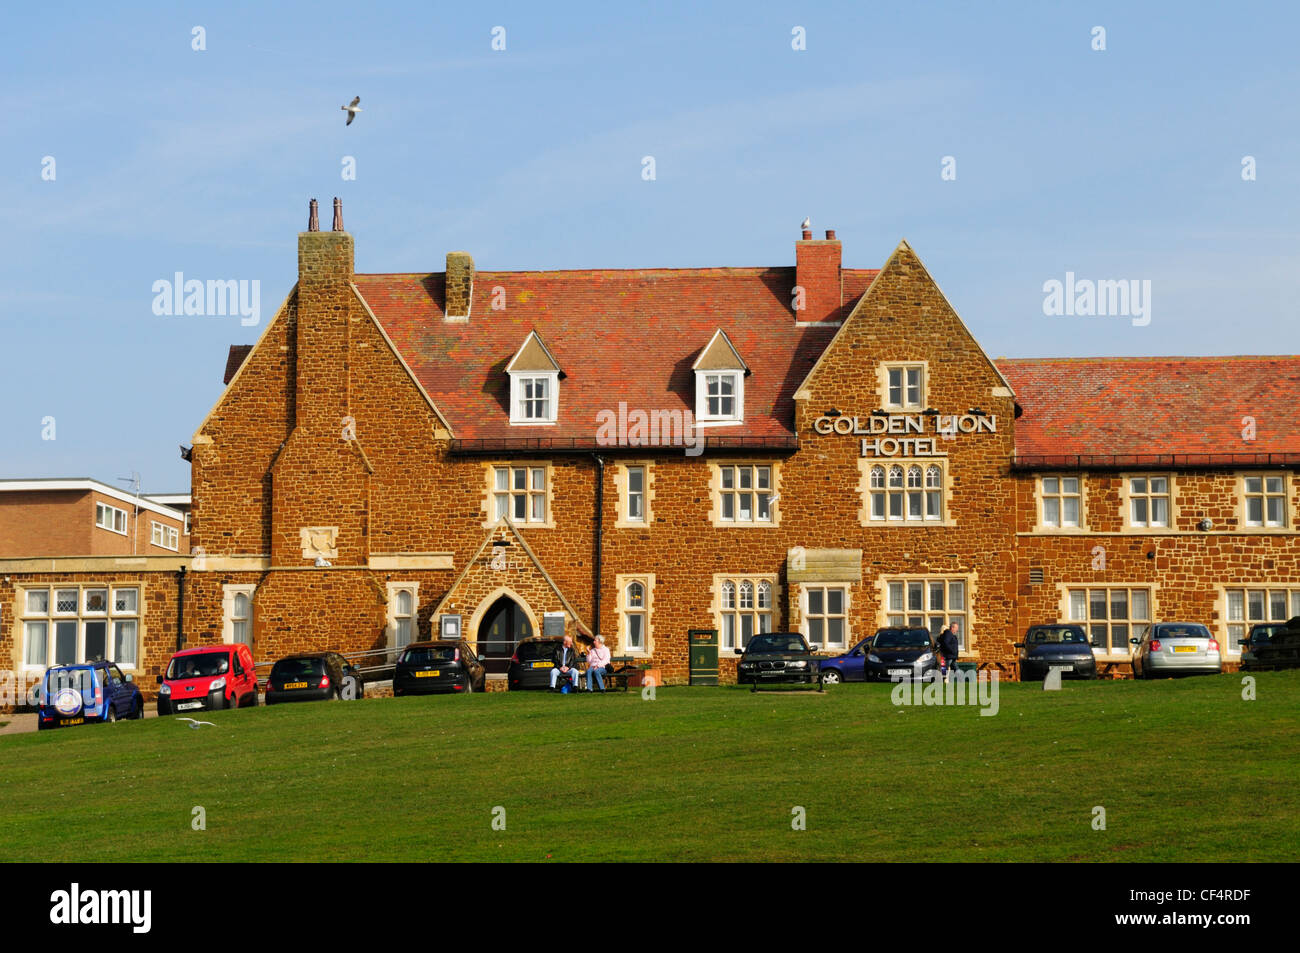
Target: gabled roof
(1147, 406)
(720, 354)
(621, 336)
(533, 355)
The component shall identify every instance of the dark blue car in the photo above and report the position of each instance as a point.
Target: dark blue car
(94, 691)
(849, 667)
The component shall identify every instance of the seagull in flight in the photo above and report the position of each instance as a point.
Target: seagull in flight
(807, 222)
(352, 109)
(195, 724)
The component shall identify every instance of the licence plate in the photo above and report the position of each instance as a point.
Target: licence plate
(541, 665)
(900, 671)
(186, 706)
(426, 674)
(73, 721)
(1184, 648)
(1064, 668)
(289, 685)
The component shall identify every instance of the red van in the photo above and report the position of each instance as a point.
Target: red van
(206, 678)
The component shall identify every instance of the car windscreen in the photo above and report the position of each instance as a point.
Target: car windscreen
(536, 651)
(1181, 632)
(776, 643)
(290, 669)
(1261, 634)
(902, 639)
(205, 665)
(428, 654)
(1056, 635)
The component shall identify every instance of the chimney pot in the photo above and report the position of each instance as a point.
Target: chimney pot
(830, 234)
(313, 219)
(338, 214)
(807, 234)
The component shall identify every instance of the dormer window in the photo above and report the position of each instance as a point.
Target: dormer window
(534, 384)
(720, 382)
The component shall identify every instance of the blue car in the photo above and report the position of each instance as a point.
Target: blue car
(94, 691)
(849, 667)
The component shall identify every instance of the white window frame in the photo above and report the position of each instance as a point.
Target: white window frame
(1264, 495)
(164, 536)
(110, 617)
(702, 386)
(883, 493)
(1149, 496)
(932, 615)
(519, 383)
(529, 491)
(904, 371)
(396, 616)
(112, 512)
(627, 611)
(736, 606)
(228, 617)
(1234, 629)
(737, 492)
(826, 615)
(1136, 626)
(635, 509)
(1060, 496)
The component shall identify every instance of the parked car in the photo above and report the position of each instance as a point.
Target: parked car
(313, 676)
(849, 667)
(1275, 645)
(775, 657)
(440, 666)
(94, 691)
(901, 653)
(531, 663)
(208, 678)
(1066, 647)
(1176, 648)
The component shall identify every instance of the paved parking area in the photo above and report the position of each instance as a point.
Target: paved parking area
(26, 721)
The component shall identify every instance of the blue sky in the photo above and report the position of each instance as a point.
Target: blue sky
(1117, 164)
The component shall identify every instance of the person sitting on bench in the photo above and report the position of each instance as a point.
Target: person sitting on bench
(565, 663)
(597, 662)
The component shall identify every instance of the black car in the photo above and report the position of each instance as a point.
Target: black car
(438, 667)
(1056, 646)
(532, 661)
(313, 677)
(775, 657)
(899, 653)
(1276, 645)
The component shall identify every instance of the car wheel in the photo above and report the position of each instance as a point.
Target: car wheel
(469, 685)
(112, 714)
(831, 678)
(138, 711)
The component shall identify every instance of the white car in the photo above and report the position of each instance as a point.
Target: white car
(1177, 648)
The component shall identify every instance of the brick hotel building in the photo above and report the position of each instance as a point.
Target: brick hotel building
(645, 452)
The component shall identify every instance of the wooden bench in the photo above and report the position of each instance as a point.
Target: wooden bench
(622, 665)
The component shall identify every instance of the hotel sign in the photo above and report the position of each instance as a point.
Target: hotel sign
(908, 435)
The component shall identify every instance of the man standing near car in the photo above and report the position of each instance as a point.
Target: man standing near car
(597, 660)
(565, 663)
(949, 647)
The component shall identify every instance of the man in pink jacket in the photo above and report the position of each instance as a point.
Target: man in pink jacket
(597, 659)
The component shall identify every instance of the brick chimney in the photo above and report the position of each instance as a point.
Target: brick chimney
(325, 301)
(460, 286)
(817, 273)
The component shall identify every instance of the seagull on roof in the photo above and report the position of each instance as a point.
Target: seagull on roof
(351, 109)
(195, 724)
(807, 222)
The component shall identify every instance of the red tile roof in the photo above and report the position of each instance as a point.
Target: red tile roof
(618, 336)
(1155, 405)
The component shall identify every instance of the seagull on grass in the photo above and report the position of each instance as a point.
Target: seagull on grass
(195, 724)
(351, 109)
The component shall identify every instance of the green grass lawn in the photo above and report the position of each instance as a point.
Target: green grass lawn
(1186, 771)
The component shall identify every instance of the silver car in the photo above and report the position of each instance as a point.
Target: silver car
(1176, 648)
